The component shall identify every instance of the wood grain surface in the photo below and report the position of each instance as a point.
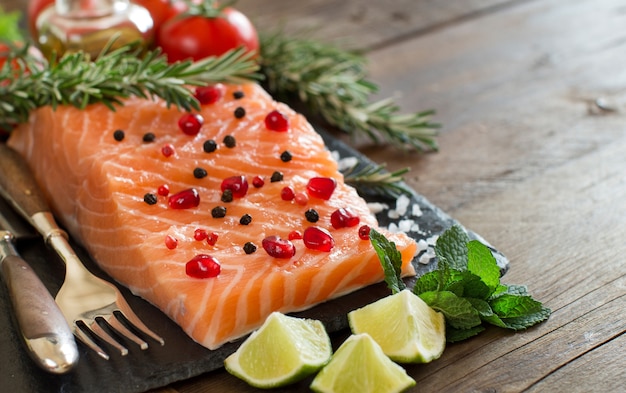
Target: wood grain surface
(531, 96)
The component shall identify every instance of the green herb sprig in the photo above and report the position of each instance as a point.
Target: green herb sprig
(465, 287)
(332, 82)
(371, 179)
(116, 74)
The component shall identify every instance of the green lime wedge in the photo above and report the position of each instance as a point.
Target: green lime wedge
(404, 326)
(361, 366)
(282, 351)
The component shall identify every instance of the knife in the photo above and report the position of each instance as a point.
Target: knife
(43, 327)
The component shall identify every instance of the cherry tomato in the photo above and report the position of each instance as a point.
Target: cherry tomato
(196, 37)
(160, 10)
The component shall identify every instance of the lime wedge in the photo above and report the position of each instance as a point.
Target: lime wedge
(404, 326)
(282, 351)
(360, 365)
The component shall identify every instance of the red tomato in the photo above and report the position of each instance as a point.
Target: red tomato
(160, 10)
(197, 37)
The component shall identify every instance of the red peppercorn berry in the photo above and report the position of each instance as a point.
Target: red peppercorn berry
(168, 150)
(364, 232)
(294, 235)
(258, 182)
(238, 185)
(301, 198)
(316, 238)
(171, 242)
(277, 121)
(321, 187)
(199, 234)
(203, 266)
(211, 238)
(344, 217)
(163, 190)
(190, 123)
(287, 193)
(185, 199)
(278, 248)
(207, 95)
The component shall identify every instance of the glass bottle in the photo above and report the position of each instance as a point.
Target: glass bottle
(89, 25)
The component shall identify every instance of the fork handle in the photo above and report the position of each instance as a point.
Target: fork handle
(44, 329)
(18, 184)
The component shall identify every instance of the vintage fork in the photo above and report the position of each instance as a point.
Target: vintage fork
(85, 299)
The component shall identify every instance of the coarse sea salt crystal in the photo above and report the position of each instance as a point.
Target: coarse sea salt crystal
(427, 256)
(416, 211)
(402, 204)
(405, 225)
(347, 163)
(422, 245)
(377, 207)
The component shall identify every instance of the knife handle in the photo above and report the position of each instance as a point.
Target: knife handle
(18, 184)
(44, 329)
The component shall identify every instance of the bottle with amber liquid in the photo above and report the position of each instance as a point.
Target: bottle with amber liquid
(90, 25)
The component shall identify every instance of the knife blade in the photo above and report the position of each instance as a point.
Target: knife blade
(44, 330)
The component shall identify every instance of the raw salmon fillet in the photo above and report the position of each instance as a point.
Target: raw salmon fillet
(100, 189)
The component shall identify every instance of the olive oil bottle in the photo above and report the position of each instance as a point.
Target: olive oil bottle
(89, 25)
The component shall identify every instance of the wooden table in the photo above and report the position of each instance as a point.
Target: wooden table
(532, 99)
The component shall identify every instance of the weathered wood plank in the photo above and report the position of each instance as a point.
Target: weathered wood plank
(512, 101)
(363, 24)
(602, 370)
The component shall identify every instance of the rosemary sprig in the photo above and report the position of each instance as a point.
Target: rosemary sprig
(332, 82)
(114, 75)
(371, 179)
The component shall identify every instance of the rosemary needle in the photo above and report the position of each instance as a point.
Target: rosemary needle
(332, 82)
(30, 82)
(373, 180)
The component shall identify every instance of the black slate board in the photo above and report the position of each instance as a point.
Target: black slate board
(180, 358)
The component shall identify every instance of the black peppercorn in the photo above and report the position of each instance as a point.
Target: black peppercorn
(240, 112)
(238, 95)
(209, 146)
(276, 176)
(286, 156)
(312, 215)
(245, 219)
(150, 199)
(218, 212)
(249, 248)
(149, 137)
(227, 196)
(118, 135)
(230, 141)
(199, 173)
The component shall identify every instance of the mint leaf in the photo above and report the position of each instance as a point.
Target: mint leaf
(521, 290)
(454, 335)
(528, 320)
(512, 306)
(481, 262)
(452, 246)
(390, 259)
(427, 282)
(485, 312)
(474, 286)
(458, 311)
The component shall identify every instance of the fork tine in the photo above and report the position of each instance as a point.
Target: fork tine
(124, 331)
(89, 342)
(102, 334)
(131, 317)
